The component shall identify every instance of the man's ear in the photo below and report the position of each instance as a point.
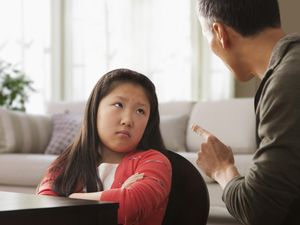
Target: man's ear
(221, 34)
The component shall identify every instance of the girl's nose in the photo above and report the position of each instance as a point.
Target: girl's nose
(127, 120)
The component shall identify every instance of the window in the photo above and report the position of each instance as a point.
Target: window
(25, 42)
(153, 37)
(158, 38)
(64, 46)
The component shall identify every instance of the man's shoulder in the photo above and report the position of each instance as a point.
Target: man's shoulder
(286, 75)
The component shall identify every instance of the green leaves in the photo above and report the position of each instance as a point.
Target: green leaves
(14, 87)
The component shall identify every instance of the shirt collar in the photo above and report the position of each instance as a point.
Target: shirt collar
(278, 52)
(281, 48)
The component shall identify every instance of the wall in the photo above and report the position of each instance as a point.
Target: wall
(289, 10)
(290, 15)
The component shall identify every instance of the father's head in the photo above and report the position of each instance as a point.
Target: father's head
(231, 26)
(247, 17)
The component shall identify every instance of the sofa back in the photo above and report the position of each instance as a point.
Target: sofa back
(173, 119)
(65, 107)
(178, 108)
(232, 121)
(23, 133)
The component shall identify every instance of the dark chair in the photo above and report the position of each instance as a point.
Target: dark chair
(188, 201)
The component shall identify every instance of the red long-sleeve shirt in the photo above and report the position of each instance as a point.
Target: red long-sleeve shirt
(143, 202)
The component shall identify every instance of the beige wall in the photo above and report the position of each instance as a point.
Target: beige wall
(246, 89)
(290, 16)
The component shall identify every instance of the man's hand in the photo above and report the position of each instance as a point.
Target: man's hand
(214, 158)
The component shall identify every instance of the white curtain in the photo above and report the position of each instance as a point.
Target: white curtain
(25, 43)
(64, 46)
(153, 37)
(161, 39)
(217, 82)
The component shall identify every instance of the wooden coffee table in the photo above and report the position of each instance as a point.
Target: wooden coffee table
(29, 209)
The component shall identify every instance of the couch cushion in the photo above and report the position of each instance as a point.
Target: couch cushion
(243, 163)
(23, 133)
(65, 127)
(215, 194)
(174, 118)
(173, 130)
(192, 157)
(232, 121)
(19, 189)
(175, 108)
(221, 216)
(23, 169)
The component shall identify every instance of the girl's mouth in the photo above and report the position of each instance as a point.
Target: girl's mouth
(124, 132)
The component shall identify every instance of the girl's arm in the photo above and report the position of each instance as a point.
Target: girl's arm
(147, 196)
(138, 199)
(45, 187)
(97, 195)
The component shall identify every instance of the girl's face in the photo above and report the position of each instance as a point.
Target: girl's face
(122, 117)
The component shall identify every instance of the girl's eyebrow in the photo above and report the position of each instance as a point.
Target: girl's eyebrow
(124, 99)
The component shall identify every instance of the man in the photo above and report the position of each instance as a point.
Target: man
(247, 36)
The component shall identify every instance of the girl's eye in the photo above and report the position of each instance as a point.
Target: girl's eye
(141, 111)
(118, 104)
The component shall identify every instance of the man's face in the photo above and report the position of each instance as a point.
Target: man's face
(213, 41)
(206, 30)
(229, 54)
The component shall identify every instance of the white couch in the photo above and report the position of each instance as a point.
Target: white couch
(232, 121)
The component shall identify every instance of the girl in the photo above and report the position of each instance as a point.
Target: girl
(115, 156)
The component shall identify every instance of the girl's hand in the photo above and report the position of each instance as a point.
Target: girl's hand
(76, 195)
(88, 196)
(132, 179)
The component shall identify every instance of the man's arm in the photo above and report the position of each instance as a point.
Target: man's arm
(265, 195)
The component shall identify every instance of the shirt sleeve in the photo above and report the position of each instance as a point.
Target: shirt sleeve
(45, 187)
(145, 196)
(266, 193)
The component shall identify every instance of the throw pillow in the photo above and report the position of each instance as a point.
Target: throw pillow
(23, 133)
(65, 127)
(173, 131)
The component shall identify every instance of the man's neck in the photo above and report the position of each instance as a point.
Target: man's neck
(258, 50)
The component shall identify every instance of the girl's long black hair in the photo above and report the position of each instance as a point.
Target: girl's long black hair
(77, 165)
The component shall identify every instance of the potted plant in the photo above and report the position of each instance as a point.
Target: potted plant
(14, 87)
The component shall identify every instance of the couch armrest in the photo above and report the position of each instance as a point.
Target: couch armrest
(23, 169)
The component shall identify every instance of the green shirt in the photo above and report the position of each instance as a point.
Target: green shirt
(270, 193)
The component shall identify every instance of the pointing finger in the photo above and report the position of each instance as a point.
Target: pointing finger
(200, 131)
